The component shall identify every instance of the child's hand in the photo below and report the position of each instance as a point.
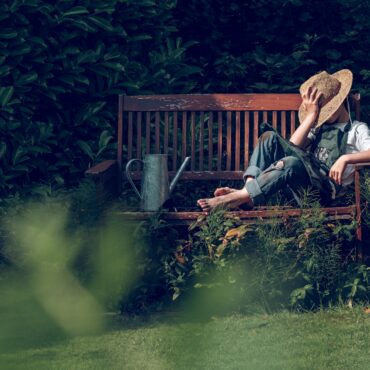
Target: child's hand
(310, 100)
(337, 169)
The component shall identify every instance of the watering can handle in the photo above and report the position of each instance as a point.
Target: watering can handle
(129, 163)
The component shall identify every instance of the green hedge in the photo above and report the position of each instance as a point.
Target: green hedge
(63, 63)
(273, 45)
(61, 68)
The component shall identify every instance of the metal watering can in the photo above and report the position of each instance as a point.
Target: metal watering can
(155, 187)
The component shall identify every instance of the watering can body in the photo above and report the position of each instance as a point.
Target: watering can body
(155, 187)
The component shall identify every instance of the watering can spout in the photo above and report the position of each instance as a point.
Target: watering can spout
(178, 174)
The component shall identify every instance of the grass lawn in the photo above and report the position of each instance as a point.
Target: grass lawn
(331, 339)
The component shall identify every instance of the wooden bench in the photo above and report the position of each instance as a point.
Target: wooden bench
(218, 131)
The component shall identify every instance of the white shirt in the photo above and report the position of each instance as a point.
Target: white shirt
(358, 141)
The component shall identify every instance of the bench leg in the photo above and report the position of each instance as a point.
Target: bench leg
(360, 253)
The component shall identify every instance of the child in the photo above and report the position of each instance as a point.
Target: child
(320, 153)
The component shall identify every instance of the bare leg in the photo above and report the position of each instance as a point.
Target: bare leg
(226, 190)
(232, 200)
(223, 191)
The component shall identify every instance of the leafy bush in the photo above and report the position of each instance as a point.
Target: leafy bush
(272, 45)
(300, 263)
(62, 65)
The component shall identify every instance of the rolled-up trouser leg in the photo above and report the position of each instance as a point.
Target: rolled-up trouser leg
(288, 171)
(268, 150)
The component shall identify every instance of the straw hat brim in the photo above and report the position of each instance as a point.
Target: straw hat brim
(345, 77)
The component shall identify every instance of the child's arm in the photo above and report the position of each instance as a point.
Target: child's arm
(336, 171)
(310, 99)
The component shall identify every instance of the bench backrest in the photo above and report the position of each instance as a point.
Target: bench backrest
(218, 131)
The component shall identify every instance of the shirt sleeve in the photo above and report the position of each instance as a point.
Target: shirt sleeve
(362, 137)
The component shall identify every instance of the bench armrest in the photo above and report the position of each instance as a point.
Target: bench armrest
(101, 168)
(105, 176)
(359, 166)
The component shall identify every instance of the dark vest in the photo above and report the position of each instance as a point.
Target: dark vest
(330, 143)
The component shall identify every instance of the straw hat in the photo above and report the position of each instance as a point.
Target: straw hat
(334, 88)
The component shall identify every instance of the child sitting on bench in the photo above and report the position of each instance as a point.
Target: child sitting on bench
(320, 153)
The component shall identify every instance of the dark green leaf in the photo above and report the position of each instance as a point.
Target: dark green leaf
(99, 70)
(19, 156)
(4, 71)
(2, 149)
(77, 10)
(82, 79)
(98, 107)
(21, 168)
(85, 147)
(8, 33)
(83, 25)
(140, 38)
(115, 66)
(130, 85)
(25, 49)
(102, 23)
(6, 94)
(104, 139)
(87, 57)
(68, 79)
(27, 78)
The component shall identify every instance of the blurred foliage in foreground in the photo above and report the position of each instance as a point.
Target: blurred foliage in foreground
(60, 271)
(65, 262)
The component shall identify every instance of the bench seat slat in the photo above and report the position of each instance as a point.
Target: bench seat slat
(228, 141)
(147, 133)
(166, 133)
(292, 122)
(283, 124)
(237, 141)
(264, 116)
(138, 135)
(157, 133)
(183, 135)
(201, 141)
(129, 134)
(255, 129)
(219, 146)
(210, 141)
(174, 154)
(246, 139)
(274, 119)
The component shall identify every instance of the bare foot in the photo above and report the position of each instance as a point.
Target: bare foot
(223, 191)
(232, 200)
